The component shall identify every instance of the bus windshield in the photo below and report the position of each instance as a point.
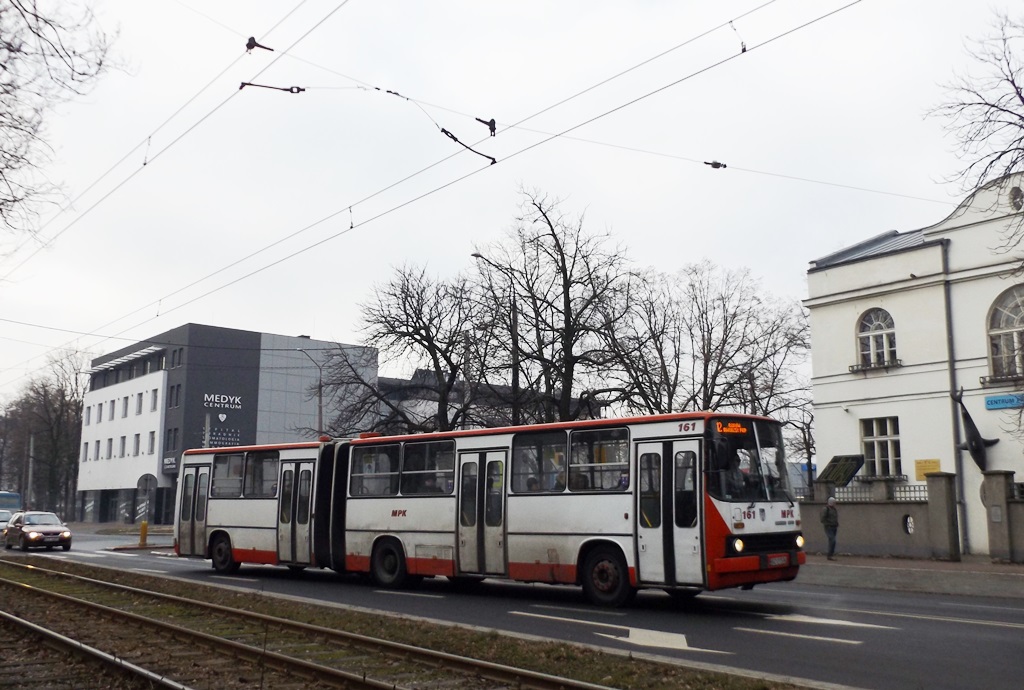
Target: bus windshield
(747, 461)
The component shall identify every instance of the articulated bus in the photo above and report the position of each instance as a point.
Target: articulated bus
(680, 502)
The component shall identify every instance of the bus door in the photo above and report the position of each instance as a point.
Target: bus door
(668, 519)
(294, 503)
(481, 528)
(195, 484)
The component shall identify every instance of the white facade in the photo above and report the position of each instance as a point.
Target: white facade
(121, 434)
(882, 386)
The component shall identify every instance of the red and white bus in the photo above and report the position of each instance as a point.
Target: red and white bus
(681, 502)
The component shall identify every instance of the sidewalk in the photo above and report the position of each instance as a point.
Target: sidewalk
(972, 576)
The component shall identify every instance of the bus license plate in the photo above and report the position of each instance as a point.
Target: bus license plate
(778, 561)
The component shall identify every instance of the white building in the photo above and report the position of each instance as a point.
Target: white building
(194, 386)
(900, 321)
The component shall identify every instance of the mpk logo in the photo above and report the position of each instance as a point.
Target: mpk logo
(398, 513)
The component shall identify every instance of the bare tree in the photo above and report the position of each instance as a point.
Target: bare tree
(43, 431)
(414, 321)
(708, 339)
(47, 55)
(549, 291)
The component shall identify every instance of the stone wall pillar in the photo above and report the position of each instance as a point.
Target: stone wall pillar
(943, 524)
(823, 490)
(996, 489)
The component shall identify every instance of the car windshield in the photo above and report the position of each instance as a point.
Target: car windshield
(747, 461)
(43, 519)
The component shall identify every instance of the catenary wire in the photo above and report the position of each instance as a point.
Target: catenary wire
(51, 240)
(369, 86)
(470, 174)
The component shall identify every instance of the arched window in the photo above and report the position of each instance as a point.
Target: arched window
(1006, 334)
(876, 340)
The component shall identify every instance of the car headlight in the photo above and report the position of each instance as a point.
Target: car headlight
(738, 545)
(799, 541)
(34, 535)
(67, 535)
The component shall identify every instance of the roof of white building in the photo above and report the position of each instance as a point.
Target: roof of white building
(886, 243)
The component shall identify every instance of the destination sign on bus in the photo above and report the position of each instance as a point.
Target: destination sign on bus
(730, 428)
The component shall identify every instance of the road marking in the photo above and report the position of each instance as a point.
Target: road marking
(571, 609)
(89, 554)
(409, 594)
(798, 618)
(150, 570)
(636, 636)
(120, 553)
(235, 578)
(801, 637)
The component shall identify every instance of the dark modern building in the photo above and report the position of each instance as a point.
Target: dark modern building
(193, 386)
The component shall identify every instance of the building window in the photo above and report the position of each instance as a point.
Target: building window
(99, 412)
(881, 442)
(155, 401)
(124, 407)
(110, 448)
(111, 417)
(122, 446)
(152, 443)
(136, 444)
(1006, 334)
(138, 404)
(97, 450)
(171, 441)
(85, 452)
(88, 415)
(876, 340)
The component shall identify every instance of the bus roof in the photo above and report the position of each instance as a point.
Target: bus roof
(254, 447)
(578, 424)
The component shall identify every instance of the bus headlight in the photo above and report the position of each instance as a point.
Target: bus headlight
(799, 541)
(738, 545)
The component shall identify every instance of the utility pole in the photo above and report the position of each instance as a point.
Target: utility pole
(319, 392)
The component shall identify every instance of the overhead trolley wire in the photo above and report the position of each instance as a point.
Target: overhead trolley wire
(430, 192)
(467, 175)
(452, 182)
(149, 137)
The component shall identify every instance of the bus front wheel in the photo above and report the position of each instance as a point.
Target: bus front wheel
(220, 553)
(606, 578)
(388, 564)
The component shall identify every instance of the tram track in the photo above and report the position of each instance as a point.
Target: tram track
(201, 644)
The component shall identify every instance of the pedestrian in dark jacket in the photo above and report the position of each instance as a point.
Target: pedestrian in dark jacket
(830, 519)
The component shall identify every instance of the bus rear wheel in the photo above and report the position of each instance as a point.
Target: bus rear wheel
(220, 553)
(606, 578)
(388, 564)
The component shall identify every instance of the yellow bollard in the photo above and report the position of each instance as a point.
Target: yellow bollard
(143, 530)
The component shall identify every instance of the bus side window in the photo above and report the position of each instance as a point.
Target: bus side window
(685, 489)
(650, 490)
(227, 475)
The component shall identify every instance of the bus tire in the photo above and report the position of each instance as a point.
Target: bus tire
(220, 553)
(388, 564)
(606, 577)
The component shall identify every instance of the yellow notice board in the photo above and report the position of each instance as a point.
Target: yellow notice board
(923, 467)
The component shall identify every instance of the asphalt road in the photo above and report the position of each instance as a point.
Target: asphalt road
(821, 631)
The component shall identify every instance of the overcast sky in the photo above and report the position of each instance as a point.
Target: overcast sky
(273, 211)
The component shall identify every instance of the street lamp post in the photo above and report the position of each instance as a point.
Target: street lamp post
(319, 392)
(513, 331)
